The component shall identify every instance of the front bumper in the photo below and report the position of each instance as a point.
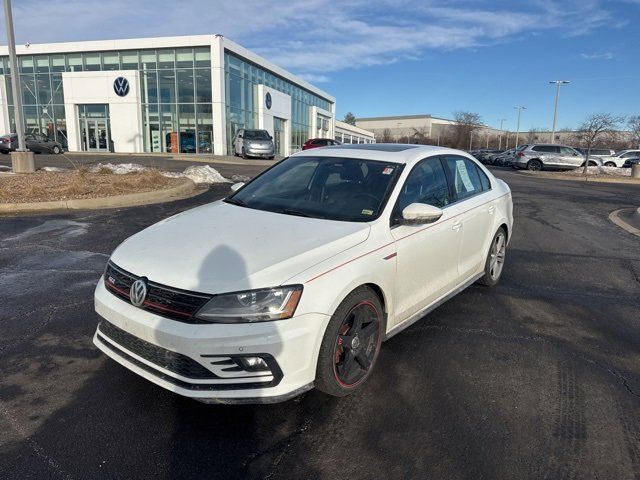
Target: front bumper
(260, 151)
(174, 355)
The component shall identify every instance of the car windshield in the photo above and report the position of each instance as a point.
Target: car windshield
(346, 189)
(256, 135)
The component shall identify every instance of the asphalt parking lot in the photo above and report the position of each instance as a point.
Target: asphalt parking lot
(538, 377)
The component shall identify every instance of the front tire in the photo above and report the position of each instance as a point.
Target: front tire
(351, 343)
(610, 164)
(56, 149)
(494, 263)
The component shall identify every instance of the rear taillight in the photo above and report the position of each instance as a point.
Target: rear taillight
(520, 154)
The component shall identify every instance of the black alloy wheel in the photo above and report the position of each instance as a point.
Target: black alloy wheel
(534, 165)
(351, 343)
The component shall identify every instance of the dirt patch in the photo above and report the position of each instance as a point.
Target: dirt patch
(50, 186)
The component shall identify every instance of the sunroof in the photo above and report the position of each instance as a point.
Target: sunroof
(382, 147)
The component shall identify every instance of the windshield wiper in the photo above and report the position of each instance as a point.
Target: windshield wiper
(233, 201)
(297, 213)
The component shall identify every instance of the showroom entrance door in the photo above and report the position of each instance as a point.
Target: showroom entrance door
(94, 128)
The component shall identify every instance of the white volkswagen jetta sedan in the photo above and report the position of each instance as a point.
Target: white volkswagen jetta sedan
(295, 279)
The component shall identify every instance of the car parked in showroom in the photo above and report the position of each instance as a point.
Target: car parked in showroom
(319, 142)
(295, 279)
(546, 156)
(254, 143)
(619, 158)
(34, 142)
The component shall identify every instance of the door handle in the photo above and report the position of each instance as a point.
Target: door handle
(457, 225)
(492, 209)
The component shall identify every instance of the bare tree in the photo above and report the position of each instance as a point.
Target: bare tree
(532, 135)
(466, 124)
(421, 136)
(634, 129)
(386, 136)
(594, 128)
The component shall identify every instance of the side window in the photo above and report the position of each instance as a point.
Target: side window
(427, 183)
(464, 175)
(567, 151)
(545, 149)
(484, 180)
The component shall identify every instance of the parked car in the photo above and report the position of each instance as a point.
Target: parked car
(484, 155)
(619, 159)
(254, 143)
(34, 142)
(319, 142)
(630, 162)
(503, 159)
(295, 279)
(543, 156)
(598, 152)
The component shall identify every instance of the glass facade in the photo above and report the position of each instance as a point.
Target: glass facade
(241, 86)
(175, 87)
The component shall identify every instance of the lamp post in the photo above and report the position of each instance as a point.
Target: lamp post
(501, 120)
(558, 83)
(21, 160)
(398, 128)
(519, 108)
(470, 139)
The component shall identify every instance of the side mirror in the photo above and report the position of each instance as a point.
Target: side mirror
(270, 137)
(237, 186)
(420, 214)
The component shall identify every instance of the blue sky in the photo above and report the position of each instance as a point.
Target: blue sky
(396, 57)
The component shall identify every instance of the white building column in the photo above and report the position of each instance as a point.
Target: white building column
(218, 96)
(5, 122)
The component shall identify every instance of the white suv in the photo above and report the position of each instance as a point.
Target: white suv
(295, 279)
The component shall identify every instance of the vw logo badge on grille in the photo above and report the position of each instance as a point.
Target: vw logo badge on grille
(121, 86)
(138, 292)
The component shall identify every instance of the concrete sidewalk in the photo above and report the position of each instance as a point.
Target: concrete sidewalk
(226, 165)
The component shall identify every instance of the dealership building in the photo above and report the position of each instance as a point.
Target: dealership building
(187, 94)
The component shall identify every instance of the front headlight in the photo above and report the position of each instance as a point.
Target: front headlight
(261, 305)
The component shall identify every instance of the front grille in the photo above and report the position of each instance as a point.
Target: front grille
(172, 361)
(162, 300)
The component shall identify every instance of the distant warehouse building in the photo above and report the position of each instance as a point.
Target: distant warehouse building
(188, 94)
(405, 126)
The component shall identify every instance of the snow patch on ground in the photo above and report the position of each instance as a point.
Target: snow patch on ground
(625, 172)
(54, 169)
(199, 174)
(118, 168)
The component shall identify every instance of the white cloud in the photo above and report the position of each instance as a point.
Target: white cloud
(597, 56)
(315, 77)
(315, 37)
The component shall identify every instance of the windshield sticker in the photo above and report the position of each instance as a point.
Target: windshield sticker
(387, 171)
(367, 212)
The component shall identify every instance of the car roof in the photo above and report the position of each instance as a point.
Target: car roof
(385, 152)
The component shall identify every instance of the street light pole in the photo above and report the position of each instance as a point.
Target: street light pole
(470, 139)
(501, 120)
(558, 83)
(519, 108)
(22, 160)
(15, 79)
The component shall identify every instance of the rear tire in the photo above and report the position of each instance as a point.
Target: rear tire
(494, 263)
(534, 165)
(610, 164)
(351, 343)
(56, 150)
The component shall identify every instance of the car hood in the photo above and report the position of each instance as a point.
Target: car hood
(221, 247)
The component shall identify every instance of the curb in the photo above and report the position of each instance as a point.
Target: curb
(551, 176)
(615, 218)
(186, 189)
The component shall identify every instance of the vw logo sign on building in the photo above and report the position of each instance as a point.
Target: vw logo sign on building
(138, 292)
(121, 86)
(267, 101)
